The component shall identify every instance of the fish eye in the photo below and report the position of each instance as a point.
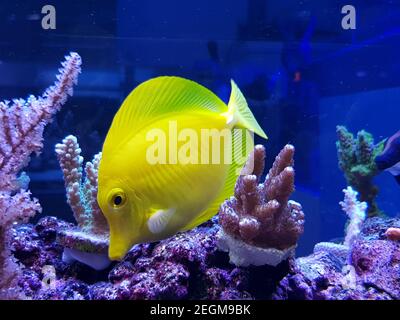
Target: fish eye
(118, 198)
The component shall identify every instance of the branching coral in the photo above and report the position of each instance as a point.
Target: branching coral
(357, 161)
(259, 224)
(21, 129)
(23, 121)
(356, 211)
(81, 193)
(91, 235)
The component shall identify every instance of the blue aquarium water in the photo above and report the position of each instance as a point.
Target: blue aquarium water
(319, 76)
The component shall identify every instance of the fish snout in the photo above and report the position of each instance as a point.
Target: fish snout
(120, 243)
(117, 249)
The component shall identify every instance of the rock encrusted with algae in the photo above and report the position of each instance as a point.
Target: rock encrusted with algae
(371, 275)
(190, 266)
(260, 225)
(357, 161)
(186, 266)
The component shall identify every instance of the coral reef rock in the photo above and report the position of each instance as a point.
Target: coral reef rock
(372, 273)
(186, 266)
(190, 266)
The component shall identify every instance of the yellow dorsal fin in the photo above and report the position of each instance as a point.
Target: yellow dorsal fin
(156, 98)
(243, 144)
(239, 113)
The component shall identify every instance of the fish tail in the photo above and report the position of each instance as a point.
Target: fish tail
(239, 113)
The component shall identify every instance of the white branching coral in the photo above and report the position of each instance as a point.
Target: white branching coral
(88, 242)
(81, 191)
(356, 211)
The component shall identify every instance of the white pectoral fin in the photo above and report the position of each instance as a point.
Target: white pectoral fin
(159, 220)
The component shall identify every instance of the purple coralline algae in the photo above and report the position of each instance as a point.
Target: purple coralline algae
(190, 266)
(186, 266)
(376, 258)
(371, 275)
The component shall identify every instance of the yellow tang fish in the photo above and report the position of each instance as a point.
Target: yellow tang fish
(155, 177)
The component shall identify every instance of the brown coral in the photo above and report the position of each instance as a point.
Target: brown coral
(393, 234)
(260, 214)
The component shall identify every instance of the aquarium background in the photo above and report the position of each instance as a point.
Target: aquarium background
(301, 72)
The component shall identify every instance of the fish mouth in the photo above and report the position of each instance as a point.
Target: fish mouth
(116, 255)
(119, 246)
